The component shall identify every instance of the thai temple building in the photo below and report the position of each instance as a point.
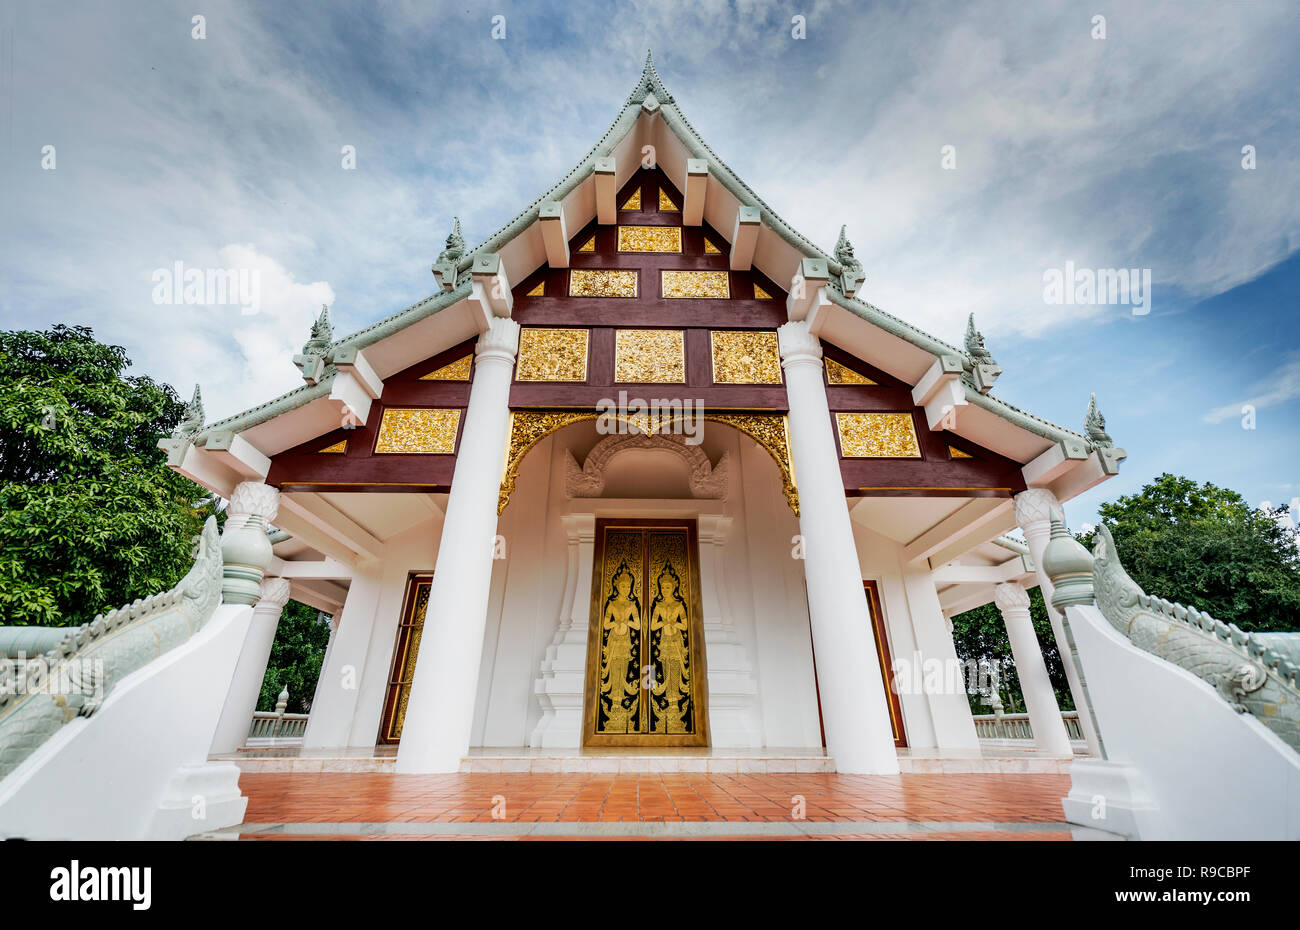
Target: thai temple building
(645, 478)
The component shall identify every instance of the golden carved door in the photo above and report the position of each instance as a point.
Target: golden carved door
(646, 683)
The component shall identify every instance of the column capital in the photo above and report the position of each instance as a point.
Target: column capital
(500, 340)
(798, 344)
(254, 499)
(1010, 596)
(1036, 505)
(275, 594)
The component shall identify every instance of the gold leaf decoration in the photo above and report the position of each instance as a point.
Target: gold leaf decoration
(604, 283)
(761, 294)
(877, 435)
(539, 291)
(649, 356)
(745, 357)
(340, 446)
(666, 202)
(527, 428)
(633, 202)
(588, 246)
(649, 238)
(552, 355)
(710, 248)
(955, 453)
(842, 374)
(696, 284)
(418, 430)
(454, 371)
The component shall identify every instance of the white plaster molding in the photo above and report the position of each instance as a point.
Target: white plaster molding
(1036, 506)
(499, 341)
(1010, 596)
(798, 344)
(708, 482)
(275, 594)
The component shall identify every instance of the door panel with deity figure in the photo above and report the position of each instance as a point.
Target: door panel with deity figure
(646, 682)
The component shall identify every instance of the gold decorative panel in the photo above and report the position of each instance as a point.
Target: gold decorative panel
(696, 283)
(340, 446)
(761, 294)
(877, 435)
(418, 430)
(645, 664)
(552, 355)
(539, 291)
(527, 428)
(454, 371)
(633, 202)
(650, 356)
(588, 246)
(745, 357)
(592, 283)
(649, 238)
(710, 248)
(953, 452)
(842, 374)
(666, 202)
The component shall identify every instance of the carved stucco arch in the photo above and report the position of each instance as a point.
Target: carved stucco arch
(706, 481)
(528, 428)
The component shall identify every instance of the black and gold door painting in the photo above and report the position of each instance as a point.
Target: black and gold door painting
(646, 683)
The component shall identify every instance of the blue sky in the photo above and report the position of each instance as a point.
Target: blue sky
(1122, 152)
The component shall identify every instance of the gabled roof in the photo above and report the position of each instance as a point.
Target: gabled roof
(651, 95)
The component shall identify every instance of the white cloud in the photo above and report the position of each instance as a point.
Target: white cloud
(1282, 385)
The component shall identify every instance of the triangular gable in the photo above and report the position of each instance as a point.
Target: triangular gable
(455, 371)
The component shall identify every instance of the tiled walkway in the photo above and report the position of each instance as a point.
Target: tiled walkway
(593, 806)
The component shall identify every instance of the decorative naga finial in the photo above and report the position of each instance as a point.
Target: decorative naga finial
(312, 360)
(975, 344)
(192, 420)
(984, 371)
(1094, 426)
(851, 275)
(444, 269)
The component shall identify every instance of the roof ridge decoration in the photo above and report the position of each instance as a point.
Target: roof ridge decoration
(984, 370)
(316, 349)
(1248, 673)
(1094, 425)
(192, 419)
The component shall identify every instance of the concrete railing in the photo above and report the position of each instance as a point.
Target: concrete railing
(277, 728)
(1016, 726)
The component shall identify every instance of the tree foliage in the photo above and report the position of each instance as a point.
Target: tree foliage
(1205, 547)
(90, 516)
(296, 658)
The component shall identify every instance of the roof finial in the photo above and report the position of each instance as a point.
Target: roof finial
(444, 269)
(192, 419)
(649, 84)
(975, 344)
(1094, 426)
(851, 276)
(312, 360)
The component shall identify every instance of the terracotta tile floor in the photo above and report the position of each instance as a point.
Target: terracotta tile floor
(302, 799)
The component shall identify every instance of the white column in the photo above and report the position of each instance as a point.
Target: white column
(246, 684)
(733, 692)
(440, 715)
(333, 707)
(1034, 509)
(854, 711)
(1040, 699)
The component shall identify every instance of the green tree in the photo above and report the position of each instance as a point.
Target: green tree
(980, 636)
(90, 516)
(296, 657)
(1205, 547)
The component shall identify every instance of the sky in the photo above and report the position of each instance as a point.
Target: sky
(972, 150)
